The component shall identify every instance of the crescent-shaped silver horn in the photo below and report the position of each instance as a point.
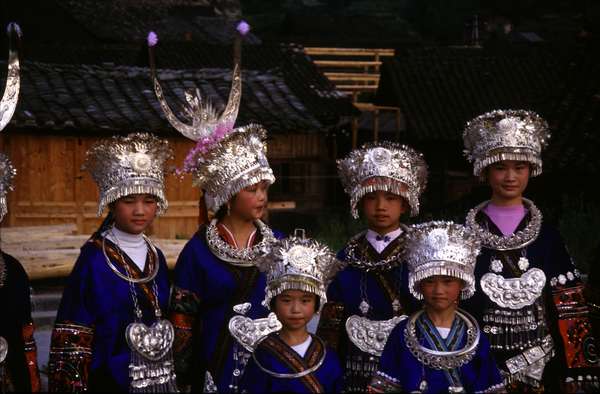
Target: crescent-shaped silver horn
(10, 97)
(204, 120)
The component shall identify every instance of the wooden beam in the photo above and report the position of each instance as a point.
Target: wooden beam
(346, 63)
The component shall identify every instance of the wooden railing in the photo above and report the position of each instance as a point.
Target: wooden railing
(355, 72)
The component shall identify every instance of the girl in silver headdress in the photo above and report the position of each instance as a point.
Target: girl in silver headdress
(439, 348)
(111, 333)
(285, 356)
(18, 359)
(216, 269)
(530, 299)
(384, 180)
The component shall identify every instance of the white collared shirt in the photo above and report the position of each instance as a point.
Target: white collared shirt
(133, 245)
(380, 245)
(301, 348)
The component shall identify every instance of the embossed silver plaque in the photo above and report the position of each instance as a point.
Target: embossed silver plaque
(514, 293)
(249, 331)
(370, 336)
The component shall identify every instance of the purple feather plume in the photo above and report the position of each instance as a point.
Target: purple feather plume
(152, 39)
(243, 27)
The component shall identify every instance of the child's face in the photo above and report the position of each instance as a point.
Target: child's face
(135, 213)
(441, 292)
(508, 178)
(295, 308)
(250, 203)
(383, 210)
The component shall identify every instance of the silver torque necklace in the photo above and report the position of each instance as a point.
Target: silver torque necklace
(518, 240)
(291, 375)
(367, 265)
(128, 278)
(443, 360)
(244, 257)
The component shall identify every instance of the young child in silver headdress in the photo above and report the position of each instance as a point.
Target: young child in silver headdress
(111, 333)
(530, 298)
(384, 180)
(439, 348)
(18, 355)
(285, 356)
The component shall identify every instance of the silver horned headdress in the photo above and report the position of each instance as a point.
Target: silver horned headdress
(133, 164)
(225, 159)
(506, 135)
(298, 263)
(8, 106)
(441, 248)
(385, 166)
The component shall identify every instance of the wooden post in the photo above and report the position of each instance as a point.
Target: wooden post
(375, 125)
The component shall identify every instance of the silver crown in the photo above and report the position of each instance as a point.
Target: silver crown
(506, 135)
(129, 165)
(386, 166)
(298, 263)
(441, 248)
(7, 110)
(225, 159)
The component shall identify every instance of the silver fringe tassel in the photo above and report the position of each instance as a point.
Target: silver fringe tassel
(492, 158)
(449, 269)
(275, 288)
(145, 186)
(386, 185)
(229, 188)
(148, 376)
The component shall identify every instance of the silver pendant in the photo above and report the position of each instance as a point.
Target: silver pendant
(370, 336)
(514, 293)
(3, 349)
(396, 306)
(151, 368)
(496, 266)
(523, 263)
(423, 386)
(364, 307)
(242, 309)
(456, 389)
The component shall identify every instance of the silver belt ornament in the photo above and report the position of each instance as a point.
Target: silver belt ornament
(530, 363)
(370, 336)
(514, 293)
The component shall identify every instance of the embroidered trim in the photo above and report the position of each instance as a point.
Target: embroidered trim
(497, 388)
(239, 257)
(383, 383)
(31, 357)
(517, 240)
(70, 357)
(2, 270)
(358, 257)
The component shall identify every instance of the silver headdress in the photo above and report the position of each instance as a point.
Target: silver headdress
(506, 135)
(225, 159)
(298, 263)
(386, 166)
(129, 165)
(441, 248)
(8, 106)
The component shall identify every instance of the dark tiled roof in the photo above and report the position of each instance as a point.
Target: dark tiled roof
(439, 89)
(120, 98)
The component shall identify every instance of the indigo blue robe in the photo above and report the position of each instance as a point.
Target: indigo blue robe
(562, 293)
(205, 291)
(276, 356)
(403, 371)
(88, 347)
(16, 327)
(344, 298)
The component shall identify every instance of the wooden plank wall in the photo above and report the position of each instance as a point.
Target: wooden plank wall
(51, 188)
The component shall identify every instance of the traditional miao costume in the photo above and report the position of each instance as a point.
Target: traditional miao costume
(371, 294)
(294, 263)
(212, 274)
(110, 334)
(420, 357)
(18, 361)
(529, 297)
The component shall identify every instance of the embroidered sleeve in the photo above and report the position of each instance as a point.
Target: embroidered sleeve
(70, 357)
(331, 324)
(184, 309)
(575, 327)
(31, 357)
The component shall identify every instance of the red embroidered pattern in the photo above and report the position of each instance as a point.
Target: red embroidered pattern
(70, 357)
(31, 357)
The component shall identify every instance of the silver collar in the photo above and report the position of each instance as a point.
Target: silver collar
(239, 257)
(518, 240)
(359, 261)
(443, 360)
